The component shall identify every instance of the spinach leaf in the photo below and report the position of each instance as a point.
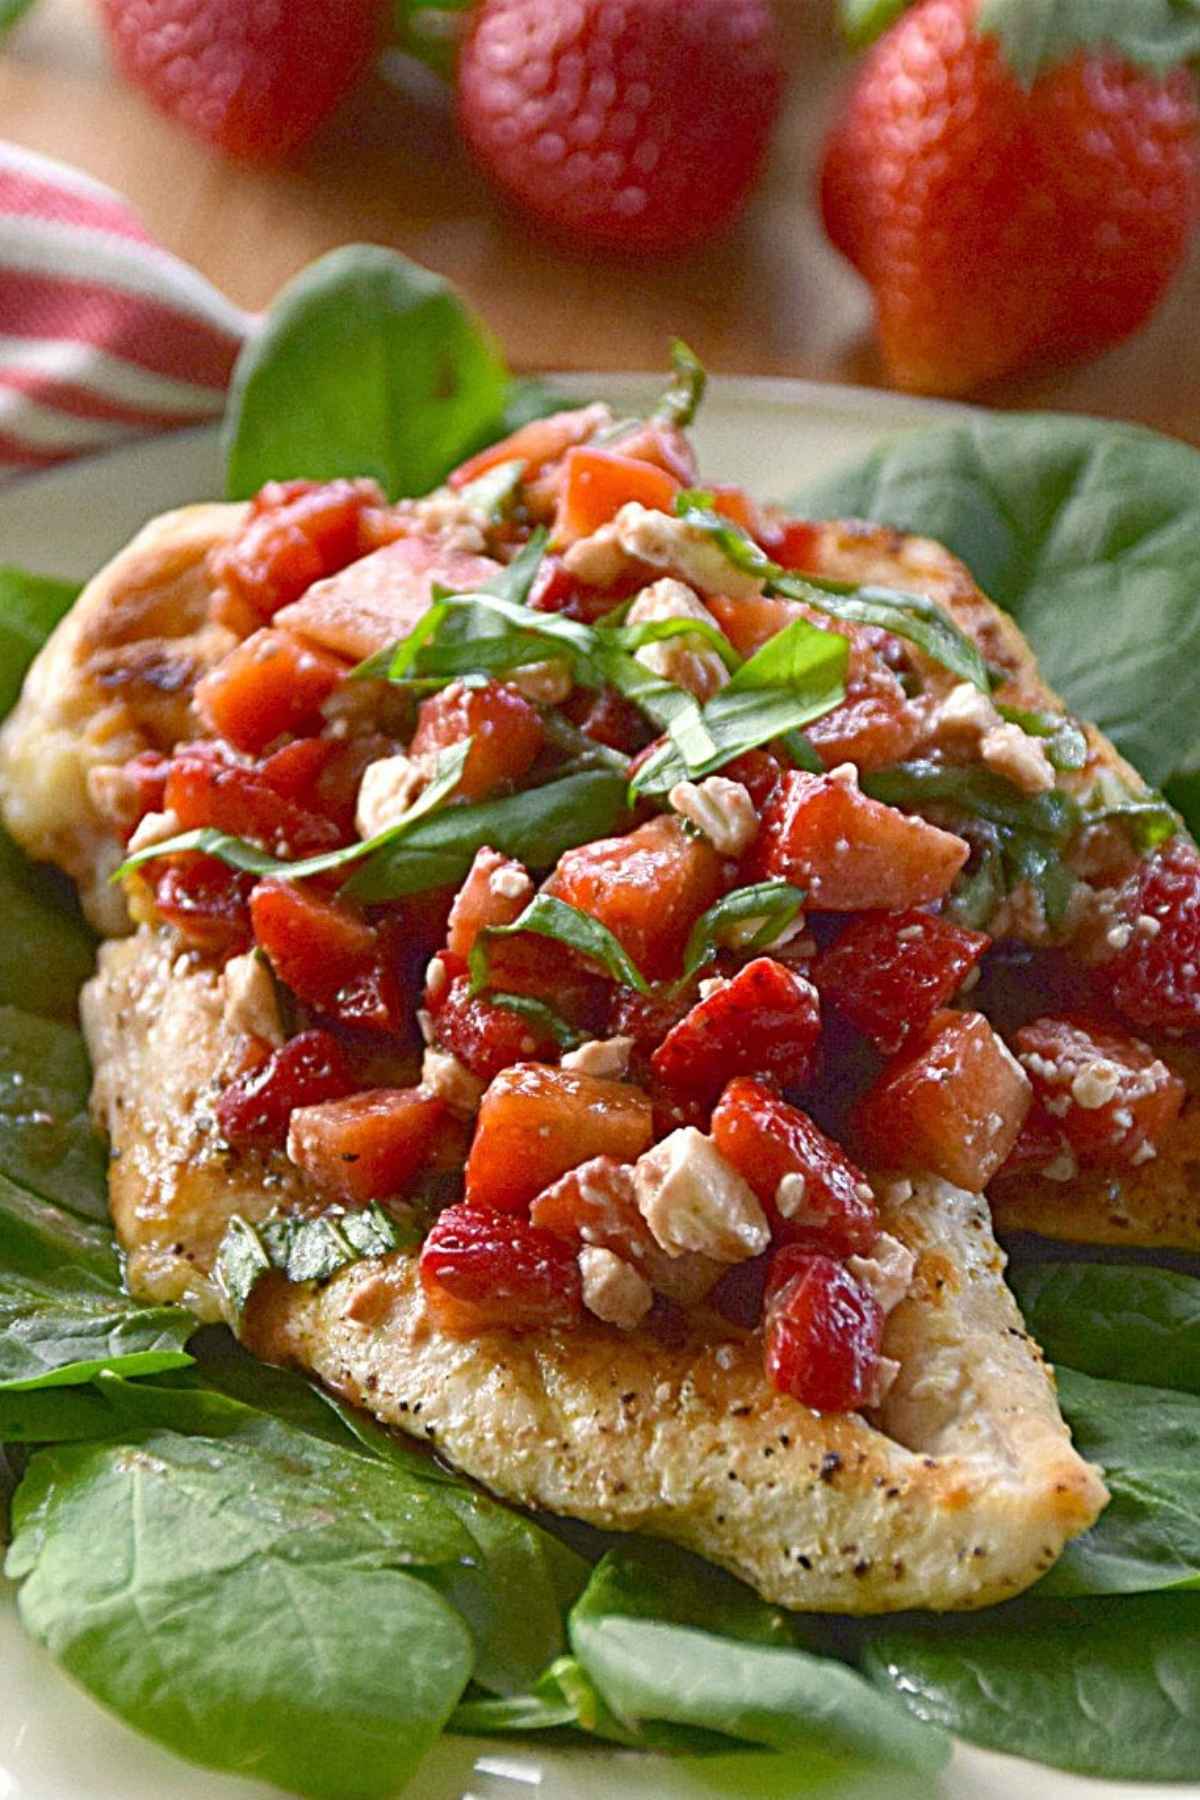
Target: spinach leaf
(668, 1639)
(46, 951)
(47, 1141)
(38, 1238)
(1086, 532)
(214, 1591)
(60, 1329)
(53, 1415)
(1147, 1441)
(1123, 1321)
(367, 364)
(1102, 1687)
(30, 608)
(535, 827)
(546, 916)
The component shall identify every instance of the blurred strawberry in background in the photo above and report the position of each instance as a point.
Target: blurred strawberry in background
(254, 77)
(1014, 187)
(634, 125)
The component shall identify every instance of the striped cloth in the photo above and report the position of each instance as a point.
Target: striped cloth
(104, 336)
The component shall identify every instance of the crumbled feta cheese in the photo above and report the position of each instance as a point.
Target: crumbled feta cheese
(721, 809)
(607, 1057)
(446, 515)
(887, 1272)
(386, 791)
(883, 1380)
(612, 1288)
(250, 1002)
(1011, 752)
(686, 660)
(546, 683)
(896, 1192)
(712, 985)
(1147, 927)
(437, 978)
(1063, 1168)
(443, 1075)
(510, 881)
(846, 773)
(692, 1199)
(789, 1197)
(1096, 1084)
(1143, 1154)
(155, 828)
(966, 712)
(668, 543)
(597, 560)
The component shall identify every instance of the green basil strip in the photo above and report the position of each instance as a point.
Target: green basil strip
(302, 1249)
(541, 1015)
(1065, 743)
(681, 401)
(976, 793)
(495, 494)
(240, 854)
(535, 827)
(796, 677)
(654, 631)
(774, 904)
(552, 918)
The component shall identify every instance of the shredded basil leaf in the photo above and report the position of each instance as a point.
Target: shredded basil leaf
(239, 853)
(771, 904)
(302, 1249)
(539, 1014)
(495, 494)
(553, 918)
(1065, 743)
(681, 401)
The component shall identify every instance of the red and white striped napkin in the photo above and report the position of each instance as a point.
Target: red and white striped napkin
(104, 336)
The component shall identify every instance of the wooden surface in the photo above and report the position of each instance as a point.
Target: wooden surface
(771, 298)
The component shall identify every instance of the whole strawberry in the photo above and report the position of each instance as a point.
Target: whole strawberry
(254, 77)
(1005, 206)
(629, 125)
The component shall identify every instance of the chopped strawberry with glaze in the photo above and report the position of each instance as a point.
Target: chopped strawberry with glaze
(328, 955)
(596, 1204)
(812, 1192)
(766, 1020)
(307, 1071)
(1111, 1097)
(648, 887)
(367, 1146)
(496, 892)
(205, 787)
(608, 718)
(537, 443)
(483, 1034)
(852, 853)
(536, 1122)
(295, 533)
(270, 684)
(952, 1103)
(597, 483)
(481, 1269)
(1040, 1146)
(1154, 981)
(506, 731)
(822, 1333)
(759, 773)
(207, 902)
(888, 973)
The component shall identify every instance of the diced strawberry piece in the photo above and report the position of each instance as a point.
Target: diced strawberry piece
(875, 725)
(536, 1122)
(268, 685)
(205, 788)
(648, 887)
(1155, 980)
(826, 1203)
(1112, 1098)
(367, 1146)
(952, 1103)
(595, 1204)
(758, 771)
(647, 1018)
(765, 1021)
(507, 732)
(794, 544)
(888, 973)
(307, 1071)
(380, 597)
(823, 1333)
(852, 853)
(326, 954)
(666, 446)
(207, 902)
(496, 891)
(539, 442)
(596, 484)
(609, 718)
(139, 788)
(482, 1269)
(754, 619)
(296, 533)
(735, 504)
(485, 1036)
(547, 971)
(294, 771)
(1041, 1143)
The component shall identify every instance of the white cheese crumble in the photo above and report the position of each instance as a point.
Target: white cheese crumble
(668, 543)
(607, 1057)
(510, 881)
(692, 1199)
(597, 560)
(443, 1075)
(546, 683)
(721, 809)
(1095, 1084)
(612, 1288)
(386, 791)
(446, 515)
(887, 1273)
(250, 1002)
(966, 712)
(1011, 752)
(155, 828)
(686, 660)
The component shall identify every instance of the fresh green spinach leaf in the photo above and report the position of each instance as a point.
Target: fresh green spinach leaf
(47, 1141)
(213, 1593)
(30, 606)
(38, 1238)
(46, 951)
(674, 1641)
(1102, 1687)
(1118, 1321)
(59, 1330)
(53, 1415)
(367, 364)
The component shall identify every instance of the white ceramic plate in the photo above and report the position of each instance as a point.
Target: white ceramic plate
(55, 1744)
